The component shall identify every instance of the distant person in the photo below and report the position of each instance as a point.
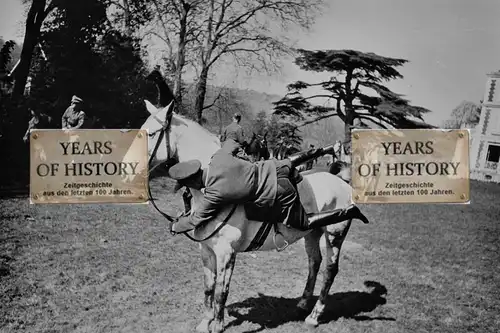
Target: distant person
(234, 132)
(74, 117)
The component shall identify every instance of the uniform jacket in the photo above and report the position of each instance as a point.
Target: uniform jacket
(235, 132)
(72, 118)
(229, 179)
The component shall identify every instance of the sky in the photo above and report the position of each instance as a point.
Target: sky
(450, 44)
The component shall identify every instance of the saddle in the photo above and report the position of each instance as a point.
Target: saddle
(269, 214)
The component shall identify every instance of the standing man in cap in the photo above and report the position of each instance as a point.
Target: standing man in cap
(234, 132)
(73, 117)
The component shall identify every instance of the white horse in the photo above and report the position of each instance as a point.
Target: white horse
(188, 140)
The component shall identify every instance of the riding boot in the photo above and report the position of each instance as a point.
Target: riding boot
(336, 216)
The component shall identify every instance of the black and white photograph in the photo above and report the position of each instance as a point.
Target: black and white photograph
(178, 166)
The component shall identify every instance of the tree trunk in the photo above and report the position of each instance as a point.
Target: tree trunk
(34, 21)
(128, 19)
(181, 54)
(349, 117)
(201, 91)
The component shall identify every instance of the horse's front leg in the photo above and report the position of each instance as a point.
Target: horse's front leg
(335, 236)
(226, 258)
(311, 241)
(209, 271)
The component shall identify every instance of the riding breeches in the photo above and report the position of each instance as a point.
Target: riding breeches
(290, 209)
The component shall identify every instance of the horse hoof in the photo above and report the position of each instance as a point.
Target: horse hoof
(203, 327)
(310, 322)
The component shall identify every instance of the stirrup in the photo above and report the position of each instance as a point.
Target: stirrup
(279, 249)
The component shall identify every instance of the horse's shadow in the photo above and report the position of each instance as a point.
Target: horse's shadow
(271, 312)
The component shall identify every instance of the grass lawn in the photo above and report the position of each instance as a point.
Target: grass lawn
(115, 268)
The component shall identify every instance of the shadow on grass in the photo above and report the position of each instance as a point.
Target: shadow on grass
(14, 191)
(271, 312)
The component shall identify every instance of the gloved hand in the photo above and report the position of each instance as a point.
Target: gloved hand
(171, 226)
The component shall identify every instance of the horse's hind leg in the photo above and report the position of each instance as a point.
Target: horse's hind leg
(226, 258)
(314, 255)
(334, 235)
(209, 271)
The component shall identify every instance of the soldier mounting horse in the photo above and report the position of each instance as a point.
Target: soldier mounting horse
(242, 228)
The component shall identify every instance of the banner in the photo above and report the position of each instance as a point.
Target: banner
(88, 166)
(410, 166)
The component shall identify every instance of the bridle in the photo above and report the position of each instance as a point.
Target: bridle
(163, 131)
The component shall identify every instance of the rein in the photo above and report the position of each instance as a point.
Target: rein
(163, 131)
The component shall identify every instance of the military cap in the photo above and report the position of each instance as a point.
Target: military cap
(76, 99)
(184, 170)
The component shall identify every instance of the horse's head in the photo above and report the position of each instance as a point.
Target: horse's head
(160, 147)
(173, 138)
(38, 120)
(155, 76)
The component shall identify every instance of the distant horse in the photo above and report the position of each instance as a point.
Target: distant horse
(257, 148)
(38, 121)
(282, 151)
(183, 139)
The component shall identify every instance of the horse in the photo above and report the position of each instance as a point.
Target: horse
(257, 149)
(174, 138)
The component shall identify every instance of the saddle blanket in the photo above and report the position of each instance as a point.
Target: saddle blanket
(307, 198)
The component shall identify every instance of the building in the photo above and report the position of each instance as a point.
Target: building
(485, 137)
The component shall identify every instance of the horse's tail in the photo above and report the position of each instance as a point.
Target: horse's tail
(335, 168)
(340, 169)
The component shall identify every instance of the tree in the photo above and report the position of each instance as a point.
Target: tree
(10, 54)
(283, 134)
(90, 59)
(214, 31)
(5, 60)
(353, 73)
(128, 16)
(467, 113)
(260, 124)
(175, 24)
(38, 12)
(324, 132)
(241, 31)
